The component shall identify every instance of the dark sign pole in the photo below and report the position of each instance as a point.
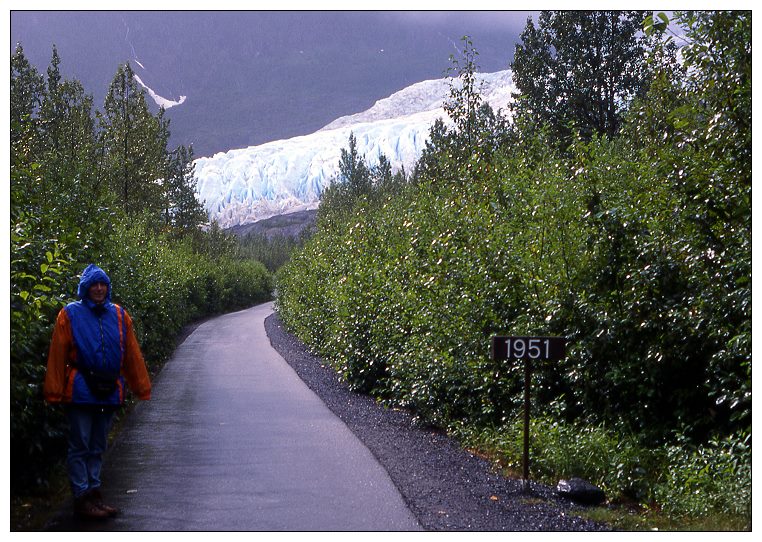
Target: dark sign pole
(527, 403)
(528, 349)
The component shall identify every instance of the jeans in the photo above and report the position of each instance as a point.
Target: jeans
(89, 426)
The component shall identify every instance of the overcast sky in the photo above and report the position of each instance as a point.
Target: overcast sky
(255, 76)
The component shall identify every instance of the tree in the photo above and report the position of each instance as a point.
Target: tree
(353, 182)
(465, 100)
(581, 69)
(134, 146)
(381, 174)
(429, 165)
(182, 210)
(477, 130)
(67, 134)
(63, 216)
(27, 87)
(353, 170)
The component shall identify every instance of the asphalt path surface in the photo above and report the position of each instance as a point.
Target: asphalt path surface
(233, 440)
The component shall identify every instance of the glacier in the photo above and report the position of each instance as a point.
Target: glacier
(243, 186)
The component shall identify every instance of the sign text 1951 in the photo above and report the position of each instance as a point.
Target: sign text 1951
(534, 348)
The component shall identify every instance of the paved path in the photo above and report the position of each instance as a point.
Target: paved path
(233, 440)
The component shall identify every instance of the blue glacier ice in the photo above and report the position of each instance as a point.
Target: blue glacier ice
(241, 186)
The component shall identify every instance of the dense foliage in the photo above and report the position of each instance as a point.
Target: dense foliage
(635, 244)
(111, 193)
(581, 69)
(273, 251)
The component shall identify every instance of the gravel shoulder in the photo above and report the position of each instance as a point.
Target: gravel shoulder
(446, 487)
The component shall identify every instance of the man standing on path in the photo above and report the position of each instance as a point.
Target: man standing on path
(92, 354)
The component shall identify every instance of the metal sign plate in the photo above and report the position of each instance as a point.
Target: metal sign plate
(533, 348)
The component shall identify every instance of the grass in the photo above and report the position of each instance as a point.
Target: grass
(627, 519)
(707, 488)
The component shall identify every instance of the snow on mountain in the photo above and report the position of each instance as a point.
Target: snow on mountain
(429, 95)
(160, 101)
(241, 186)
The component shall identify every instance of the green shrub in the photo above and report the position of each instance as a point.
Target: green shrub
(637, 249)
(38, 274)
(162, 283)
(707, 479)
(165, 285)
(65, 214)
(681, 481)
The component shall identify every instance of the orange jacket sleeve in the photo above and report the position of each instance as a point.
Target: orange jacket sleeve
(59, 357)
(134, 369)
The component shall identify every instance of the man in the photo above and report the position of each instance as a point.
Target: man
(93, 353)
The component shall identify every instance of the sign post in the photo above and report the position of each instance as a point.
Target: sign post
(528, 349)
(527, 403)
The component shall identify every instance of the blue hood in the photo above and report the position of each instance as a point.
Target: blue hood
(90, 276)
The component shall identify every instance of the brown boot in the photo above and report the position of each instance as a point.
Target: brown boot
(85, 508)
(97, 500)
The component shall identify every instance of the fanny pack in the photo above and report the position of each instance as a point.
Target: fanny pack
(101, 385)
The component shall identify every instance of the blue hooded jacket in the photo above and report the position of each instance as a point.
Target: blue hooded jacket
(99, 334)
(90, 276)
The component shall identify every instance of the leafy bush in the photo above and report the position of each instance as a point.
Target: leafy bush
(164, 269)
(682, 480)
(636, 248)
(607, 458)
(165, 285)
(38, 272)
(273, 251)
(707, 479)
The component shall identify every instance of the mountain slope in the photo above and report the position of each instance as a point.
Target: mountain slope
(255, 76)
(288, 225)
(242, 186)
